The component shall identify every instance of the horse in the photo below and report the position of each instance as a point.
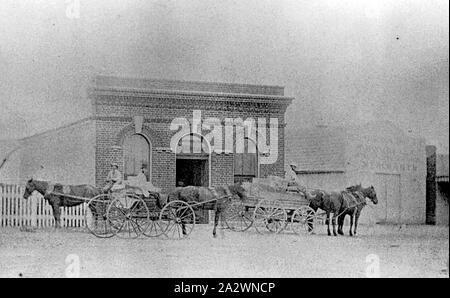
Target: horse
(360, 194)
(216, 198)
(332, 203)
(55, 195)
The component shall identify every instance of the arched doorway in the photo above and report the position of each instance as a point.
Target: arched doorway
(246, 163)
(136, 156)
(193, 161)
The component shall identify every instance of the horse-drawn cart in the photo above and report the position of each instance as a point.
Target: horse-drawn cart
(122, 214)
(271, 210)
(129, 215)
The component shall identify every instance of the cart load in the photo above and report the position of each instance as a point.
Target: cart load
(272, 205)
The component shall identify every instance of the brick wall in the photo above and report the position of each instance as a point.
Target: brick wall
(114, 117)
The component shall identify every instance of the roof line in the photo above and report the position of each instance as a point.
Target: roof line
(118, 78)
(144, 91)
(55, 129)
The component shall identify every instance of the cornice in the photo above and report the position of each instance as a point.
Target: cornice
(159, 120)
(112, 95)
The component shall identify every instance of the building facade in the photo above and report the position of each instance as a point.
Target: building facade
(377, 154)
(176, 132)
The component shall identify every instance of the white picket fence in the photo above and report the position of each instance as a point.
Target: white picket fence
(15, 211)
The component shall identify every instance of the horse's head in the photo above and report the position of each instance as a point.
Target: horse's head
(30, 187)
(238, 191)
(315, 198)
(371, 194)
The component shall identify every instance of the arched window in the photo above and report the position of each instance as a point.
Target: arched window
(136, 150)
(246, 162)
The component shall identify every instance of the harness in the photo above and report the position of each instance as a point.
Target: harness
(228, 194)
(65, 191)
(347, 194)
(51, 189)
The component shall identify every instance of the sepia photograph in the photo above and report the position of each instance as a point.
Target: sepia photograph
(210, 140)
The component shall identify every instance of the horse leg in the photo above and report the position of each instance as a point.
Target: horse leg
(334, 224)
(351, 223)
(183, 225)
(341, 220)
(216, 222)
(183, 228)
(328, 223)
(358, 213)
(56, 215)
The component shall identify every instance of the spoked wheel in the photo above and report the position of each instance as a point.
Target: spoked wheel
(155, 227)
(178, 219)
(128, 215)
(237, 217)
(269, 215)
(96, 217)
(303, 219)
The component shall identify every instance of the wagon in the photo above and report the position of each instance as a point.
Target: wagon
(123, 214)
(272, 211)
(130, 215)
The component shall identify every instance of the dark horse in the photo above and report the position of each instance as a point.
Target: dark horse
(50, 193)
(216, 198)
(360, 194)
(332, 203)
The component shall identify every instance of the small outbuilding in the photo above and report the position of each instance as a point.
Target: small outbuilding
(376, 153)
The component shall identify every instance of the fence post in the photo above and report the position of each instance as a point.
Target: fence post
(33, 211)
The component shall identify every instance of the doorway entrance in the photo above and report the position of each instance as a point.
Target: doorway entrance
(191, 171)
(389, 207)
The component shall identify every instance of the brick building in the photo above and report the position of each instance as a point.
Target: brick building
(376, 153)
(131, 124)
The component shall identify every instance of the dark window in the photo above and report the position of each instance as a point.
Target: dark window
(136, 150)
(246, 163)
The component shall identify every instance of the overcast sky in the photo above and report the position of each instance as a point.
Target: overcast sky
(345, 62)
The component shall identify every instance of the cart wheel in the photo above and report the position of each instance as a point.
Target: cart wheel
(95, 216)
(237, 217)
(128, 215)
(178, 219)
(155, 227)
(270, 215)
(303, 219)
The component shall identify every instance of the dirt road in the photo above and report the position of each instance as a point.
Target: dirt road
(411, 251)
